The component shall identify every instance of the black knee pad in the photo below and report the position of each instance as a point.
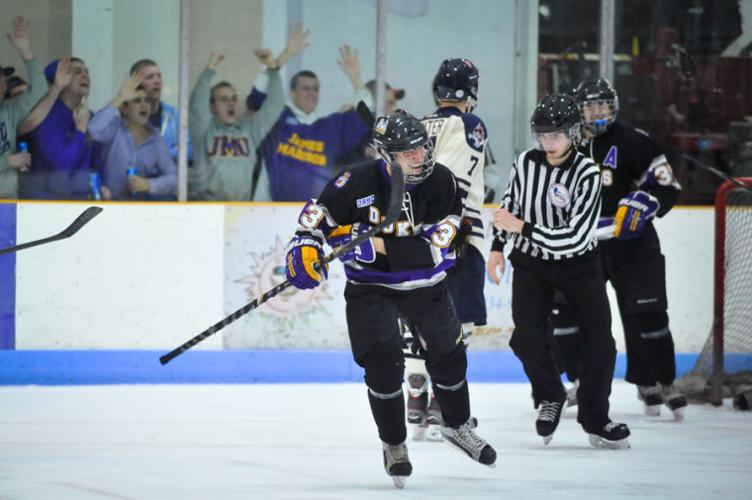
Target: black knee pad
(654, 325)
(450, 369)
(385, 369)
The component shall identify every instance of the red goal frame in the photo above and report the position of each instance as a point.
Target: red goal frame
(721, 198)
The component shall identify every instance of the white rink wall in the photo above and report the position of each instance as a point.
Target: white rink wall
(151, 276)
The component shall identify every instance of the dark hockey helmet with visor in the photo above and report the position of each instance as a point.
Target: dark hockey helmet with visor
(599, 97)
(400, 132)
(555, 113)
(456, 80)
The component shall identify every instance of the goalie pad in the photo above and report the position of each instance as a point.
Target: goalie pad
(634, 212)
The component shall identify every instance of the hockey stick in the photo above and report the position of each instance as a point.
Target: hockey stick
(717, 172)
(365, 113)
(69, 231)
(392, 214)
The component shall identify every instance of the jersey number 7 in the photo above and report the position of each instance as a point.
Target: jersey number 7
(474, 160)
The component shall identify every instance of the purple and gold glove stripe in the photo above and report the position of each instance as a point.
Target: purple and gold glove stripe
(636, 214)
(310, 256)
(621, 212)
(340, 231)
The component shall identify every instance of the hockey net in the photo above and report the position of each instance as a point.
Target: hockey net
(724, 367)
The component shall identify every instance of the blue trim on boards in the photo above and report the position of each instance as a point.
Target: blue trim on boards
(7, 277)
(235, 367)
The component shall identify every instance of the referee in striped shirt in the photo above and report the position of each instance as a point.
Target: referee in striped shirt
(549, 214)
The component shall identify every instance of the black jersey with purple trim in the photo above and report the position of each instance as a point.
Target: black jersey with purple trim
(418, 246)
(629, 160)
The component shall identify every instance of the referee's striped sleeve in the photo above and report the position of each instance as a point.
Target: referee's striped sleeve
(579, 231)
(508, 201)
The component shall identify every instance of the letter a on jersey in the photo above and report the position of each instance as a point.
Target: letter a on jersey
(610, 160)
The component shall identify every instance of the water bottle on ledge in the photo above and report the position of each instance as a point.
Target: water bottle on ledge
(95, 183)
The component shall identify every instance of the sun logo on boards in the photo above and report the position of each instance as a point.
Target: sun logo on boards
(291, 308)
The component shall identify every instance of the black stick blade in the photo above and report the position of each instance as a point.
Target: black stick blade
(81, 221)
(365, 113)
(397, 195)
(69, 231)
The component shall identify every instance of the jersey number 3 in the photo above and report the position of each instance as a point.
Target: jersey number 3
(443, 234)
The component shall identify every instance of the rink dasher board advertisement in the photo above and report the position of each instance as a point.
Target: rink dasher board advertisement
(151, 276)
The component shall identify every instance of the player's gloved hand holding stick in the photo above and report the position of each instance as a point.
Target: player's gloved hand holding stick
(308, 264)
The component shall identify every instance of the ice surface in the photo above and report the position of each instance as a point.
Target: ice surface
(319, 442)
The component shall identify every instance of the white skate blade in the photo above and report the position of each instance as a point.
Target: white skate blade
(433, 433)
(547, 439)
(652, 411)
(678, 414)
(399, 481)
(599, 442)
(419, 432)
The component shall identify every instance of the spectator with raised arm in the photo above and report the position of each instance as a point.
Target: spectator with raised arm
(130, 142)
(15, 86)
(62, 153)
(224, 143)
(162, 116)
(301, 151)
(13, 111)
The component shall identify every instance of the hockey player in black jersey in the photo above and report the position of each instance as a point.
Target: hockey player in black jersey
(401, 271)
(549, 214)
(459, 140)
(637, 185)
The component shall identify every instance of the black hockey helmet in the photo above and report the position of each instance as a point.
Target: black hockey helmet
(556, 113)
(400, 132)
(597, 92)
(456, 80)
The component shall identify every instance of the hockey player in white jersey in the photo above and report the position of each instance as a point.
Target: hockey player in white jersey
(459, 139)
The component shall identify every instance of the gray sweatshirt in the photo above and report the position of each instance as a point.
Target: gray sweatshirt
(224, 155)
(12, 112)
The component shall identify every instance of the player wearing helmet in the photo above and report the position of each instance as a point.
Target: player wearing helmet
(637, 186)
(459, 139)
(549, 215)
(400, 271)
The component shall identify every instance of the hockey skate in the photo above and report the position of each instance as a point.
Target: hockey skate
(613, 436)
(467, 441)
(397, 463)
(572, 394)
(417, 405)
(549, 413)
(675, 401)
(651, 398)
(433, 421)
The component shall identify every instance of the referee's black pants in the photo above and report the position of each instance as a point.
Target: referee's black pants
(581, 281)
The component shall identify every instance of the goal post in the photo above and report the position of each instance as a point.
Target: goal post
(724, 367)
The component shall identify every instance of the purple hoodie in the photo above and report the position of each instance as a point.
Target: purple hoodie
(61, 158)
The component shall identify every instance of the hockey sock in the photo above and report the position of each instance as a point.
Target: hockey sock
(389, 414)
(659, 345)
(454, 402)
